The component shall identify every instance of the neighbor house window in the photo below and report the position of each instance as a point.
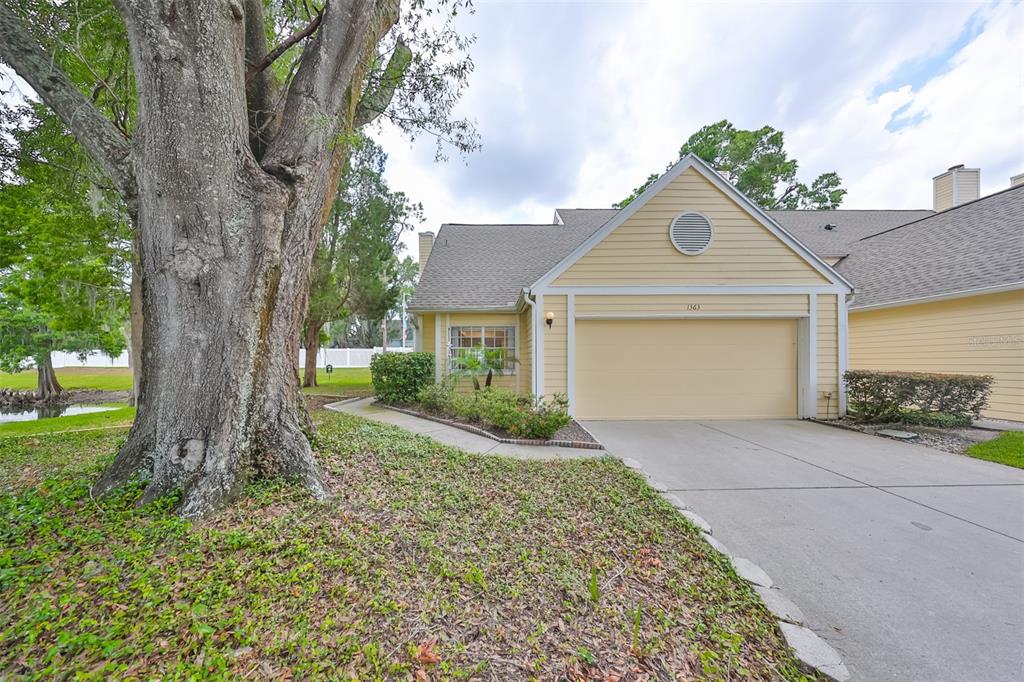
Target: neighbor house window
(466, 342)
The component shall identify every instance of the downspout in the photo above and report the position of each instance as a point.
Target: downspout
(533, 341)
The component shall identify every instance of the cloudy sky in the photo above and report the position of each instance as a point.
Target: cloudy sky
(577, 102)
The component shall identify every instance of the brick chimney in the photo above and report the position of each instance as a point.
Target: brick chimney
(956, 186)
(426, 244)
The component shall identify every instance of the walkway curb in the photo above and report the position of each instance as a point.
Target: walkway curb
(813, 652)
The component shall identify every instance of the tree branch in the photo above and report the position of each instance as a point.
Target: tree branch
(376, 100)
(99, 136)
(291, 40)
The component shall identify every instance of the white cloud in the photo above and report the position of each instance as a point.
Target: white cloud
(578, 103)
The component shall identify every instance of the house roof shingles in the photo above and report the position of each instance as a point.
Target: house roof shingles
(976, 245)
(485, 267)
(849, 227)
(891, 255)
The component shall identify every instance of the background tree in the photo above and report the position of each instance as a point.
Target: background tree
(228, 173)
(757, 164)
(64, 262)
(359, 244)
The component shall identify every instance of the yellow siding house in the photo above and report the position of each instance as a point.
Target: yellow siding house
(689, 303)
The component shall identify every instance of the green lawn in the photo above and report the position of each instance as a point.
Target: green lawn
(348, 381)
(1007, 449)
(96, 378)
(341, 382)
(118, 417)
(430, 563)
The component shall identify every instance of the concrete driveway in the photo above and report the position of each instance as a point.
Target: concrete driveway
(909, 561)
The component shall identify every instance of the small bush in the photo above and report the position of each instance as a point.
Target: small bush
(942, 420)
(889, 396)
(399, 377)
(438, 398)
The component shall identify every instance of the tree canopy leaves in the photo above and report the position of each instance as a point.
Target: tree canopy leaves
(757, 164)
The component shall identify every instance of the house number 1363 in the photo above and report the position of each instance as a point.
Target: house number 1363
(693, 306)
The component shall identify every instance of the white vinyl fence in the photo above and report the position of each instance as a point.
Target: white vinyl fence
(336, 357)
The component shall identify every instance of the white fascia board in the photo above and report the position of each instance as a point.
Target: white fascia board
(681, 166)
(963, 293)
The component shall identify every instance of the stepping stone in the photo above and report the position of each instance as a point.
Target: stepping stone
(713, 541)
(697, 520)
(898, 435)
(674, 500)
(780, 607)
(815, 652)
(751, 572)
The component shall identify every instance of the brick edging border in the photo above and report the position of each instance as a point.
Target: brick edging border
(578, 444)
(813, 652)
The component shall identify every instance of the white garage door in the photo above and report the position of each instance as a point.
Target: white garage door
(686, 369)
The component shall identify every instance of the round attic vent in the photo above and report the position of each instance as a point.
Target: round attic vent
(691, 233)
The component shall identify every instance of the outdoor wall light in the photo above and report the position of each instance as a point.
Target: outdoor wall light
(549, 318)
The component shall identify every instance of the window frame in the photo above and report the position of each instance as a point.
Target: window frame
(511, 339)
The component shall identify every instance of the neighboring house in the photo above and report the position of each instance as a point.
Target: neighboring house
(946, 294)
(691, 302)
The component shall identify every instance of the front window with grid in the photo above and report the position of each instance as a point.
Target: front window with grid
(466, 343)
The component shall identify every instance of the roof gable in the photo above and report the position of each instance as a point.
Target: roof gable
(691, 163)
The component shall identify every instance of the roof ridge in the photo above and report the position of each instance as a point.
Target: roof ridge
(847, 210)
(942, 213)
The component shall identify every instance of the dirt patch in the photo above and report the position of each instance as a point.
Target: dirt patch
(89, 395)
(316, 402)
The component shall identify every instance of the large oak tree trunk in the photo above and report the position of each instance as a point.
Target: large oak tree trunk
(225, 249)
(227, 219)
(312, 334)
(48, 389)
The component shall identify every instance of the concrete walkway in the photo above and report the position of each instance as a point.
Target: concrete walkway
(907, 560)
(449, 435)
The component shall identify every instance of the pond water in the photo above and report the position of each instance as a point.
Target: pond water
(47, 412)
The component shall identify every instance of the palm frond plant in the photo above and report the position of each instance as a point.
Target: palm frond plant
(478, 360)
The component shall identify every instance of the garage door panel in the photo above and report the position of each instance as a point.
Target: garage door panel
(679, 369)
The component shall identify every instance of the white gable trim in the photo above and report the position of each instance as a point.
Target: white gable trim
(684, 164)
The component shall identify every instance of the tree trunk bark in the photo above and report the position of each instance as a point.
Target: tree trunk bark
(225, 250)
(313, 328)
(135, 334)
(48, 389)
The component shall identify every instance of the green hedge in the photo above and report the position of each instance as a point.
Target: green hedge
(891, 396)
(522, 416)
(399, 377)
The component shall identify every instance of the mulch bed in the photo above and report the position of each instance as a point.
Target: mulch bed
(955, 441)
(572, 435)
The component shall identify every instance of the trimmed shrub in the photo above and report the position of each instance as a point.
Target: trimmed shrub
(943, 420)
(399, 377)
(890, 396)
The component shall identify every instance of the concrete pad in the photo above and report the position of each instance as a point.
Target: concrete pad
(903, 591)
(866, 459)
(998, 507)
(780, 607)
(712, 459)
